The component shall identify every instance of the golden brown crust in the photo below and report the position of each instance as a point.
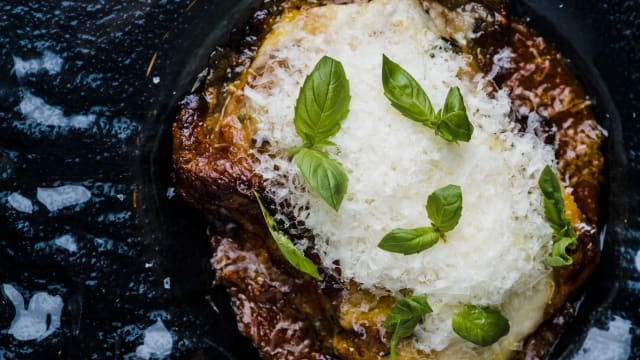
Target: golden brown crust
(214, 170)
(361, 314)
(281, 311)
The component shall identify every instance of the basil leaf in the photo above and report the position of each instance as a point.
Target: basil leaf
(408, 308)
(325, 176)
(454, 124)
(404, 317)
(444, 207)
(405, 94)
(554, 213)
(454, 102)
(294, 256)
(550, 186)
(323, 102)
(554, 210)
(481, 326)
(409, 241)
(559, 255)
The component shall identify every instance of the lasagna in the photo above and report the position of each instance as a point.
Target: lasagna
(233, 143)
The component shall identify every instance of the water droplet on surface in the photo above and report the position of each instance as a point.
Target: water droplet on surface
(39, 320)
(66, 242)
(157, 342)
(20, 203)
(38, 111)
(611, 344)
(171, 192)
(49, 62)
(62, 196)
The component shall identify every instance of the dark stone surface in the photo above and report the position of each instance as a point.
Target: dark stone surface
(131, 236)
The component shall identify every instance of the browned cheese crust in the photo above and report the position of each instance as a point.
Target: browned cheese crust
(288, 315)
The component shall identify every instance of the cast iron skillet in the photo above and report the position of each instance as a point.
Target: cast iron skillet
(137, 70)
(585, 32)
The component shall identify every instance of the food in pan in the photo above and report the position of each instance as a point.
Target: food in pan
(394, 179)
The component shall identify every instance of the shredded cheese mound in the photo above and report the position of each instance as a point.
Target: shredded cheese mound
(494, 256)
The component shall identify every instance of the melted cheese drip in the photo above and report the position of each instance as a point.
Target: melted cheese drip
(495, 255)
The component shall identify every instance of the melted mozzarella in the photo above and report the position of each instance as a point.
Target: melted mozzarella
(495, 255)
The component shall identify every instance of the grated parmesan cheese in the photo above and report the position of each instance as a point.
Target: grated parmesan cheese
(495, 255)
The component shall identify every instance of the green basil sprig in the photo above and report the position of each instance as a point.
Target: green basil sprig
(294, 256)
(404, 317)
(444, 209)
(322, 105)
(480, 325)
(564, 235)
(407, 96)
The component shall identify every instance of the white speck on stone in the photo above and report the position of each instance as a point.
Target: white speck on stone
(49, 62)
(103, 244)
(6, 355)
(62, 196)
(171, 192)
(37, 110)
(156, 79)
(611, 344)
(120, 197)
(213, 304)
(167, 283)
(32, 323)
(148, 265)
(604, 131)
(157, 342)
(67, 242)
(20, 203)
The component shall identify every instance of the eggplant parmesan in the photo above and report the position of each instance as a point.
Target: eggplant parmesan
(236, 141)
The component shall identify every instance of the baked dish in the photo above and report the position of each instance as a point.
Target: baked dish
(325, 130)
